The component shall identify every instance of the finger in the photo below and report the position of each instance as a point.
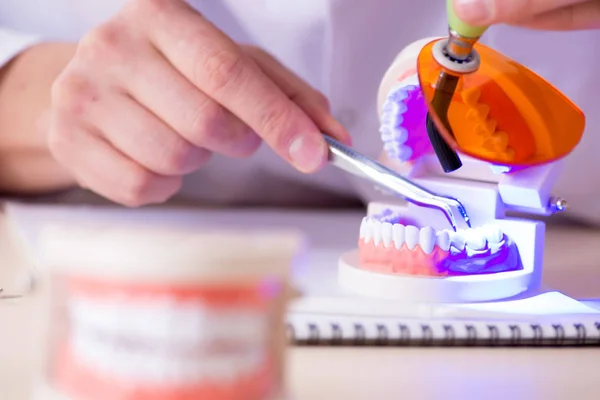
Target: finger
(185, 109)
(312, 102)
(144, 138)
(487, 12)
(218, 67)
(579, 16)
(97, 165)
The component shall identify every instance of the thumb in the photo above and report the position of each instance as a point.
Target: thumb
(487, 12)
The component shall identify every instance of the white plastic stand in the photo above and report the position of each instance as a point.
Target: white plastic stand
(486, 195)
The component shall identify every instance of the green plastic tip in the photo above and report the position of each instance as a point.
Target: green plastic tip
(460, 27)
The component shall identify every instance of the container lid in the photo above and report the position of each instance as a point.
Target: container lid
(164, 253)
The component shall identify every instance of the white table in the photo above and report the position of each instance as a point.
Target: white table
(572, 266)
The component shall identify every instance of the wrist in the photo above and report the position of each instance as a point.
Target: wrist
(25, 85)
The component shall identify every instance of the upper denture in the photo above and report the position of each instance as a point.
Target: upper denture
(403, 122)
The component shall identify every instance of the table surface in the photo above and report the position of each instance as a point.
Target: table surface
(377, 373)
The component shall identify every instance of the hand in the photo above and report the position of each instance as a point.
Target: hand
(538, 14)
(150, 94)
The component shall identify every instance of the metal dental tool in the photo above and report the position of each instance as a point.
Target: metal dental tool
(349, 160)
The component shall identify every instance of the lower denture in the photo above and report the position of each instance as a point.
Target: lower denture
(474, 251)
(379, 258)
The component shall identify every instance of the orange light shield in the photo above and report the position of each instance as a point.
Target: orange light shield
(503, 113)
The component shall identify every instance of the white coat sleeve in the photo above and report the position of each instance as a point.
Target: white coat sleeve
(12, 43)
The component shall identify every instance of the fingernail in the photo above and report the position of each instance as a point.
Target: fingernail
(473, 10)
(308, 152)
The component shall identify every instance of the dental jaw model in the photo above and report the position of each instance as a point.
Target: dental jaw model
(409, 253)
(171, 314)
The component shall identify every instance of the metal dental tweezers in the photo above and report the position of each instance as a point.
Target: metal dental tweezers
(349, 160)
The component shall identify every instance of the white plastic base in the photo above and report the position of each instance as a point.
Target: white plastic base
(527, 235)
(456, 289)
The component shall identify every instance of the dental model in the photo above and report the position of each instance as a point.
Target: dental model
(141, 313)
(388, 245)
(407, 252)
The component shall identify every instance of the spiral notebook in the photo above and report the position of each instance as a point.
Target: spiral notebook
(327, 314)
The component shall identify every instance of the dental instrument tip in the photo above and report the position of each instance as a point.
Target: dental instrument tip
(461, 209)
(463, 213)
(451, 218)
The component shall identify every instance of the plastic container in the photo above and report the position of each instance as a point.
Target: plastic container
(145, 313)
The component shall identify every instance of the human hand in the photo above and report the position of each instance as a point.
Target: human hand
(150, 94)
(538, 14)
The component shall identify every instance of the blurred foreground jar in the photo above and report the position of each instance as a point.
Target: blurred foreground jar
(142, 313)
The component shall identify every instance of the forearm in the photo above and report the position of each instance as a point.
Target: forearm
(26, 165)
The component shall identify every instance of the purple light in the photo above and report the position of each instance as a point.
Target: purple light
(506, 259)
(414, 122)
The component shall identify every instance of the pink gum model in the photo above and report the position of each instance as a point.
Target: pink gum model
(391, 260)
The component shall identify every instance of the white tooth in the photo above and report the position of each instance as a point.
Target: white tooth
(397, 94)
(399, 135)
(387, 108)
(372, 228)
(398, 233)
(386, 119)
(412, 236)
(363, 228)
(368, 230)
(404, 153)
(396, 122)
(496, 247)
(492, 233)
(376, 225)
(399, 106)
(427, 239)
(456, 240)
(472, 252)
(386, 233)
(443, 240)
(392, 147)
(474, 239)
(454, 251)
(388, 129)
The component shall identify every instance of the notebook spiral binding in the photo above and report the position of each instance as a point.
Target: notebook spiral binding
(443, 334)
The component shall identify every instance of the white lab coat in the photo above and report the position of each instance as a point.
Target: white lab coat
(343, 48)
